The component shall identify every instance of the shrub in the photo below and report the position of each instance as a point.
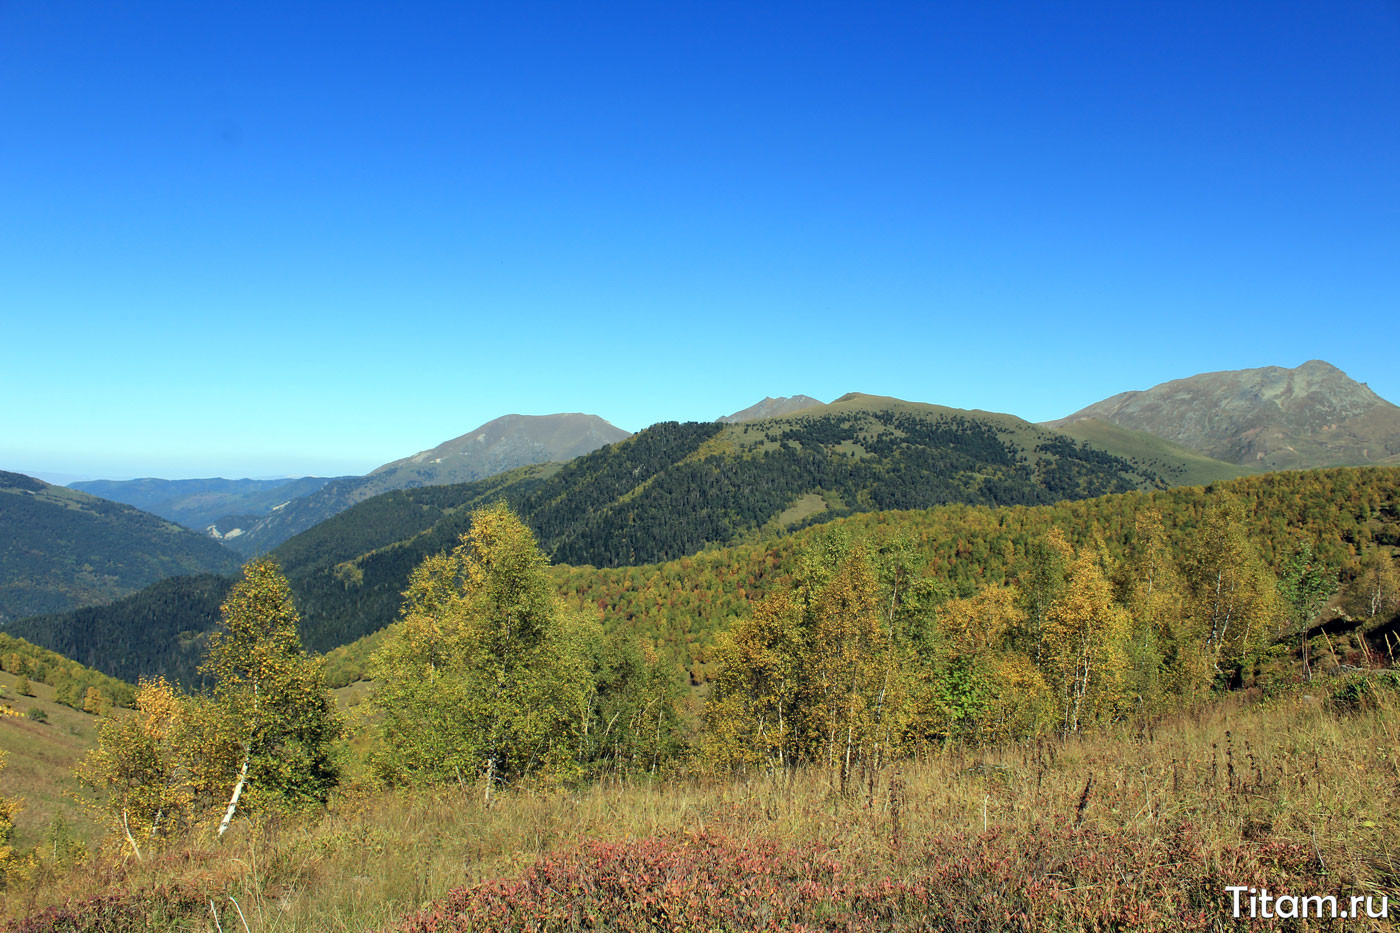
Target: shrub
(1055, 877)
(1364, 691)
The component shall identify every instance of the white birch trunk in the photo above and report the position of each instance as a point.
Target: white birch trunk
(233, 801)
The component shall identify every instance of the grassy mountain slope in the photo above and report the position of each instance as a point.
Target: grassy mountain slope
(39, 760)
(196, 503)
(665, 493)
(977, 839)
(1178, 465)
(495, 447)
(1273, 418)
(61, 548)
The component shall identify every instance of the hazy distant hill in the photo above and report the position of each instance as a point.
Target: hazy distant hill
(61, 548)
(195, 503)
(495, 447)
(770, 408)
(1272, 418)
(663, 493)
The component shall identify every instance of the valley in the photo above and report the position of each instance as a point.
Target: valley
(695, 591)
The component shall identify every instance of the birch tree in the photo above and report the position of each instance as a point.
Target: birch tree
(138, 776)
(484, 676)
(1084, 637)
(272, 697)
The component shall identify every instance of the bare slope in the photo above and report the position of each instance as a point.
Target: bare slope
(770, 408)
(1174, 463)
(1271, 418)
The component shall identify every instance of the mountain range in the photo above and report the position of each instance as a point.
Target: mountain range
(598, 496)
(663, 493)
(770, 408)
(495, 447)
(1270, 418)
(196, 503)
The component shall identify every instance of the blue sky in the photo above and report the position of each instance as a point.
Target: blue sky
(270, 239)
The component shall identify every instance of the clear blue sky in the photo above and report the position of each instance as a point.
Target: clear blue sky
(283, 238)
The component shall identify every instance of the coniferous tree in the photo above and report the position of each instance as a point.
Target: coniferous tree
(1305, 584)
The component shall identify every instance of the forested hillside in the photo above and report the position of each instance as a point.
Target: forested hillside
(680, 605)
(63, 549)
(664, 493)
(163, 630)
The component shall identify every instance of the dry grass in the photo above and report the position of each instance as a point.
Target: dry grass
(1290, 772)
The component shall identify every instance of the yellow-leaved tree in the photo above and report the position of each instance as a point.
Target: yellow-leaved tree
(813, 674)
(855, 688)
(8, 809)
(271, 706)
(138, 778)
(1084, 639)
(753, 714)
(1234, 606)
(1162, 657)
(978, 684)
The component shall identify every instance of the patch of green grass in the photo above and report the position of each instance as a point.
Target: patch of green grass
(39, 761)
(1174, 463)
(804, 507)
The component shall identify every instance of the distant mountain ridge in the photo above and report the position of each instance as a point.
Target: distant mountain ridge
(195, 503)
(771, 407)
(503, 444)
(62, 549)
(499, 445)
(1271, 418)
(666, 492)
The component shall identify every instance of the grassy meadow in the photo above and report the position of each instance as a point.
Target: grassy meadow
(39, 760)
(1139, 826)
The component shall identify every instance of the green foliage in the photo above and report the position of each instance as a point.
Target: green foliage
(1367, 691)
(36, 714)
(271, 695)
(1306, 584)
(161, 631)
(486, 677)
(30, 662)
